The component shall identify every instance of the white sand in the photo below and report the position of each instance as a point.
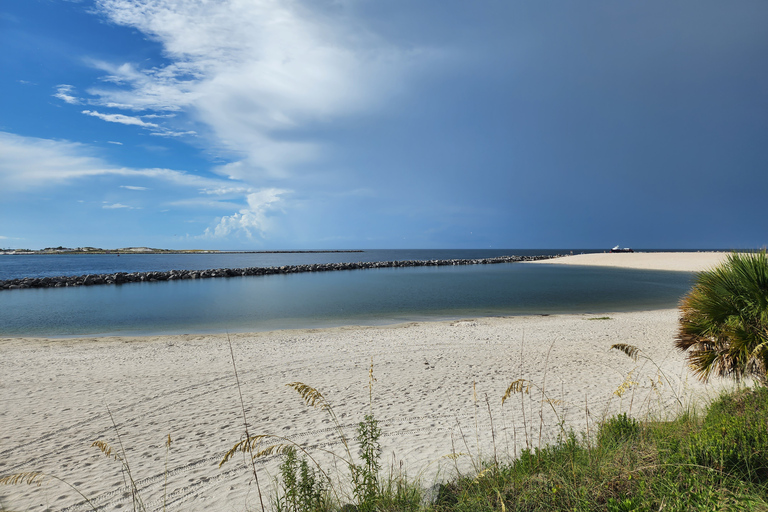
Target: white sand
(55, 395)
(681, 261)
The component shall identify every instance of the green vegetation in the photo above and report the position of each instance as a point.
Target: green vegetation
(713, 460)
(724, 323)
(716, 460)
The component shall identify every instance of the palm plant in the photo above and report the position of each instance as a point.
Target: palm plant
(724, 320)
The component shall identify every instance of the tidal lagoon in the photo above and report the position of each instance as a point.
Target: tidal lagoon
(324, 299)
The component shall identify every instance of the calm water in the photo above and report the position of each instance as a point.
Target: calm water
(367, 297)
(51, 265)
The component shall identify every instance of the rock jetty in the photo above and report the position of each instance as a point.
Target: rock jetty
(172, 275)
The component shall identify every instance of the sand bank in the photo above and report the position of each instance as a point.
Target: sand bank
(433, 380)
(680, 261)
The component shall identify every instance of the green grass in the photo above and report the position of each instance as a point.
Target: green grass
(714, 461)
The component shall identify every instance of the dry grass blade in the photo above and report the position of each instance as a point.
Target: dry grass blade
(501, 500)
(105, 449)
(245, 423)
(518, 386)
(484, 472)
(31, 478)
(275, 449)
(629, 350)
(36, 478)
(247, 445)
(312, 397)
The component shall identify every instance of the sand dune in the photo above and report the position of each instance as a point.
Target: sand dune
(433, 380)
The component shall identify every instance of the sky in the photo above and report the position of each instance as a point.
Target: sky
(361, 124)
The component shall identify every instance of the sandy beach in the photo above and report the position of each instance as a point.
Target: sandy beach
(438, 391)
(680, 261)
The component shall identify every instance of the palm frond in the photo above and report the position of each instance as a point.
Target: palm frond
(724, 319)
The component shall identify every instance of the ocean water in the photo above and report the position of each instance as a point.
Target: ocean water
(51, 265)
(358, 297)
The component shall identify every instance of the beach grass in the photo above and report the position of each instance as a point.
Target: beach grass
(713, 458)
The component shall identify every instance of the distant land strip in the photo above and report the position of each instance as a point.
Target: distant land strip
(150, 250)
(173, 275)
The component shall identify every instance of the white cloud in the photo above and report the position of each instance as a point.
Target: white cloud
(115, 142)
(63, 93)
(250, 69)
(252, 220)
(225, 191)
(29, 162)
(168, 133)
(202, 202)
(120, 118)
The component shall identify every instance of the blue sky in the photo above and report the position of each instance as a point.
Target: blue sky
(261, 124)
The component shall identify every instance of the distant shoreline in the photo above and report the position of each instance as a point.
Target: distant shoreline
(147, 250)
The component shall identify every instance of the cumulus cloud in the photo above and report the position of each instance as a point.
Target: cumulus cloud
(116, 206)
(63, 92)
(250, 221)
(248, 70)
(120, 118)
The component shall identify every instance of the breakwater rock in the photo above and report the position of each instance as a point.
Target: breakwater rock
(172, 275)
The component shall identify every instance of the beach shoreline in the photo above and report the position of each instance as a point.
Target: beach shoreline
(438, 384)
